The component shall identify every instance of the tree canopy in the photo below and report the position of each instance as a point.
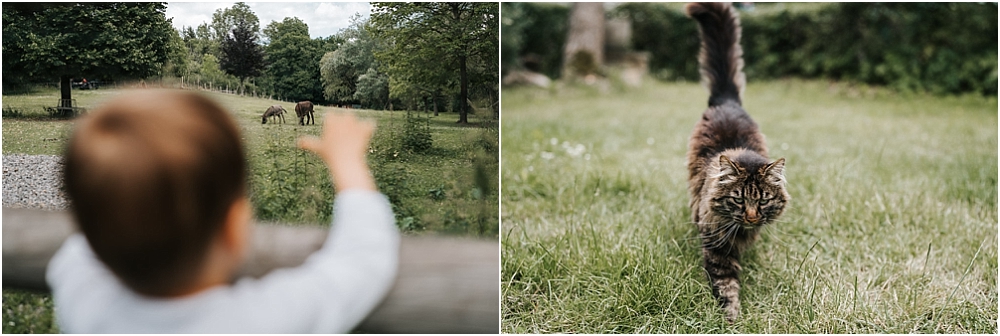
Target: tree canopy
(102, 40)
(293, 58)
(342, 68)
(224, 20)
(427, 43)
(242, 55)
(65, 40)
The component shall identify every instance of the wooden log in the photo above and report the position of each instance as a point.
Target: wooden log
(444, 285)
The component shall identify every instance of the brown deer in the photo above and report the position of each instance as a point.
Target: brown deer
(304, 110)
(273, 112)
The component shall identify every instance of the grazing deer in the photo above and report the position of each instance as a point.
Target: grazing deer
(304, 109)
(273, 112)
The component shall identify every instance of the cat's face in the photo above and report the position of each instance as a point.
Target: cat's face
(750, 198)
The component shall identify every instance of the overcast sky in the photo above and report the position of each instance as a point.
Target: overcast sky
(324, 18)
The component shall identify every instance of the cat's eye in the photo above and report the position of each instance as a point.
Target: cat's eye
(764, 201)
(737, 200)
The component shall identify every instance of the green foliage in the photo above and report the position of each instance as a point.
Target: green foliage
(920, 47)
(416, 133)
(242, 56)
(293, 61)
(513, 23)
(211, 73)
(288, 183)
(28, 312)
(95, 40)
(178, 59)
(224, 20)
(342, 68)
(427, 44)
(668, 35)
(544, 27)
(199, 42)
(925, 47)
(373, 89)
(237, 30)
(11, 112)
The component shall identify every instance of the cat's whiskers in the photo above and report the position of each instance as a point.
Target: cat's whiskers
(728, 231)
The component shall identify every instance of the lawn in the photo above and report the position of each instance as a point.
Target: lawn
(447, 189)
(892, 227)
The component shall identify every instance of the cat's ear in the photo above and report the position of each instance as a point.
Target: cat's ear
(728, 170)
(774, 173)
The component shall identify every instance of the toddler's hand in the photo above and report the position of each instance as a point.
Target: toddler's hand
(343, 146)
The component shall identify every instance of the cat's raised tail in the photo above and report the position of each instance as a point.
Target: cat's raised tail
(721, 57)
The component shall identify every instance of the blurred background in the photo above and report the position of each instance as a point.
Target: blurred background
(922, 47)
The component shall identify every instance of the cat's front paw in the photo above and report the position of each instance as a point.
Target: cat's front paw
(732, 310)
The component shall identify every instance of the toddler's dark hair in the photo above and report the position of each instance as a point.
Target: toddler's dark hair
(151, 176)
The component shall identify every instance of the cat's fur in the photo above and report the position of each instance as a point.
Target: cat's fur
(734, 189)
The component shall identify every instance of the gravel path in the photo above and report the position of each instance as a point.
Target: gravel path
(33, 181)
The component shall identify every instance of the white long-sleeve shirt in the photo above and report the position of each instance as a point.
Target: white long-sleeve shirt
(331, 292)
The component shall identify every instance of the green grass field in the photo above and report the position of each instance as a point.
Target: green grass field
(448, 189)
(892, 227)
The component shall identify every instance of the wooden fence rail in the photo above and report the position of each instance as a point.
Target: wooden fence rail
(444, 285)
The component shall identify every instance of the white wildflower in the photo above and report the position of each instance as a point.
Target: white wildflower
(576, 151)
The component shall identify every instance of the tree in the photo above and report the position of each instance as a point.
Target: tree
(584, 51)
(178, 58)
(427, 41)
(199, 42)
(97, 40)
(225, 19)
(341, 69)
(293, 61)
(241, 55)
(373, 88)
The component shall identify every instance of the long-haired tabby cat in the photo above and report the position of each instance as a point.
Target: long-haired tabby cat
(735, 189)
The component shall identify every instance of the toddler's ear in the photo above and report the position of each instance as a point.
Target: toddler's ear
(236, 229)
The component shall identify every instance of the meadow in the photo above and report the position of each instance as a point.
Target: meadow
(448, 188)
(892, 226)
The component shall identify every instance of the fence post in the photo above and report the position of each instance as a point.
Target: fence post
(444, 285)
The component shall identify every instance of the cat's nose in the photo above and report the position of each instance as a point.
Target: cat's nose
(751, 216)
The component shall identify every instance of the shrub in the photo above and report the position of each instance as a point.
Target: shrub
(10, 112)
(416, 133)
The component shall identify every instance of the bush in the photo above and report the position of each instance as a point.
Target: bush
(416, 133)
(10, 112)
(934, 47)
(290, 184)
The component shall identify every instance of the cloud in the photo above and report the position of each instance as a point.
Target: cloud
(324, 18)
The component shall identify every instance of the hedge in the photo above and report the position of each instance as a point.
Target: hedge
(917, 47)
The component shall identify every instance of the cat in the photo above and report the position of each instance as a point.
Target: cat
(735, 190)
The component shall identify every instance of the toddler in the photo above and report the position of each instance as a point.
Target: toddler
(157, 186)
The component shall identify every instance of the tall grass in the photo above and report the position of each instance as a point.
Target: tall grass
(892, 227)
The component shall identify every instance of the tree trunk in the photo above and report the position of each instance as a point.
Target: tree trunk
(495, 100)
(584, 51)
(435, 98)
(64, 90)
(463, 113)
